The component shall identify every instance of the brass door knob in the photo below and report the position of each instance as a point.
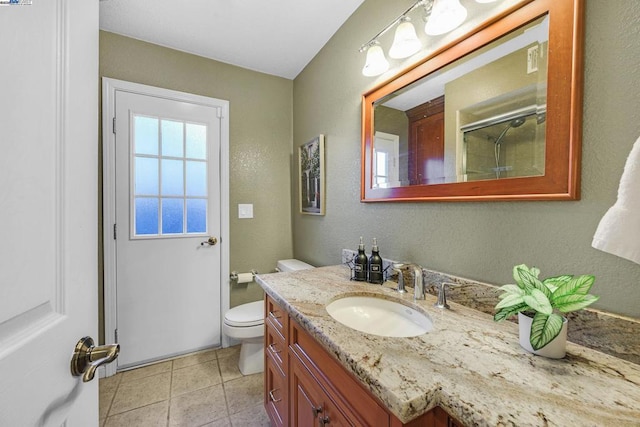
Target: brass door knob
(211, 241)
(87, 358)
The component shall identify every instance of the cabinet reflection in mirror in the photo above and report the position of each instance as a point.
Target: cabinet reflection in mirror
(472, 122)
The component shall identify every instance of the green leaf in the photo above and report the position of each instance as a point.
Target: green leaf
(558, 280)
(576, 286)
(510, 300)
(506, 312)
(531, 282)
(516, 275)
(512, 289)
(553, 283)
(538, 301)
(567, 303)
(535, 271)
(544, 329)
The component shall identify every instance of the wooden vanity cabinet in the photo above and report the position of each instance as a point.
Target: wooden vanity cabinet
(305, 386)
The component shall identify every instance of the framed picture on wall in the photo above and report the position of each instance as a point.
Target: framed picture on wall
(311, 176)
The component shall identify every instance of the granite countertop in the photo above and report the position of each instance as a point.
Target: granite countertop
(468, 364)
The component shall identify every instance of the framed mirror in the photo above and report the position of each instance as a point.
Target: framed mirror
(496, 115)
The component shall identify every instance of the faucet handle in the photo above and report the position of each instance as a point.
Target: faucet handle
(401, 288)
(397, 267)
(442, 294)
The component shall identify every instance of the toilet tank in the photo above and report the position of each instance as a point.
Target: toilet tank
(285, 265)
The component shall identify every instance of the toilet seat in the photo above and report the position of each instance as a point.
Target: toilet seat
(245, 315)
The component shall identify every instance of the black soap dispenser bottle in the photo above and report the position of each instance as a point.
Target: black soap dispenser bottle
(361, 264)
(375, 265)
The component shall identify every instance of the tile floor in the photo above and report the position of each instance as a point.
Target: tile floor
(200, 389)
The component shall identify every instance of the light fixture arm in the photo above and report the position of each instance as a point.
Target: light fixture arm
(428, 4)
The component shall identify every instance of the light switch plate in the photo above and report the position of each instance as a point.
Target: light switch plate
(245, 210)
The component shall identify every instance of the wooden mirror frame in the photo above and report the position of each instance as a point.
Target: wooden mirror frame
(561, 180)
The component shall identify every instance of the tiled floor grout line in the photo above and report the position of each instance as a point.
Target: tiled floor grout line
(224, 393)
(113, 397)
(170, 394)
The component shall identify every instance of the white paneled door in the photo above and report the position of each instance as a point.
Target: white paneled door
(167, 225)
(49, 209)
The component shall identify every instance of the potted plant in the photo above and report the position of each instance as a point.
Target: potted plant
(537, 302)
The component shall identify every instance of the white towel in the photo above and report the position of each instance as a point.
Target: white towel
(619, 230)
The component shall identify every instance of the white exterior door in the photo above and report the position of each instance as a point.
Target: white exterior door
(168, 206)
(48, 178)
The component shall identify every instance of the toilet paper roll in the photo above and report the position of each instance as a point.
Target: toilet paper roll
(245, 277)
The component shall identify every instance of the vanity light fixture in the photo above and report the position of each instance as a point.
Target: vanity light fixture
(441, 16)
(375, 52)
(405, 42)
(376, 62)
(445, 16)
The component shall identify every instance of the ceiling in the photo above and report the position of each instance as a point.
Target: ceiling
(277, 37)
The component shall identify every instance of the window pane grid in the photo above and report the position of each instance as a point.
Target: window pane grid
(170, 188)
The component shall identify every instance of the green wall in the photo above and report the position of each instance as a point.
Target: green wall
(260, 122)
(480, 241)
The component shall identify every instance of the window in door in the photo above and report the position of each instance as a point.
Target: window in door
(169, 188)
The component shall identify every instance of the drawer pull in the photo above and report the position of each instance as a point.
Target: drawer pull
(323, 421)
(273, 315)
(316, 411)
(272, 397)
(272, 347)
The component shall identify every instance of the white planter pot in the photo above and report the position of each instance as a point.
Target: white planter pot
(556, 349)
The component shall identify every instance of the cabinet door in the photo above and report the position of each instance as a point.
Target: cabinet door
(352, 399)
(427, 150)
(275, 397)
(310, 405)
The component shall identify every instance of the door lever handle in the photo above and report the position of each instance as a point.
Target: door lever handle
(211, 241)
(87, 358)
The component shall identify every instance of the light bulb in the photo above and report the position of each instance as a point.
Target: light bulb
(376, 62)
(445, 16)
(405, 42)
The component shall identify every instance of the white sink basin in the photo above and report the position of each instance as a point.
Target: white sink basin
(379, 316)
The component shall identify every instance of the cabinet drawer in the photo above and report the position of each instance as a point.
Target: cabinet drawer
(357, 402)
(275, 316)
(275, 347)
(276, 400)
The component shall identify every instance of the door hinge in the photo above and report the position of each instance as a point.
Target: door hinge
(115, 231)
(116, 334)
(114, 125)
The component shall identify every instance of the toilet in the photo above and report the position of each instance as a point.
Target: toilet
(245, 323)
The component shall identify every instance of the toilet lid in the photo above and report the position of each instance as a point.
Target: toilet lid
(250, 314)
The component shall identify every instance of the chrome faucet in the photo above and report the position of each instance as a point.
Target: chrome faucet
(418, 282)
(442, 294)
(397, 267)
